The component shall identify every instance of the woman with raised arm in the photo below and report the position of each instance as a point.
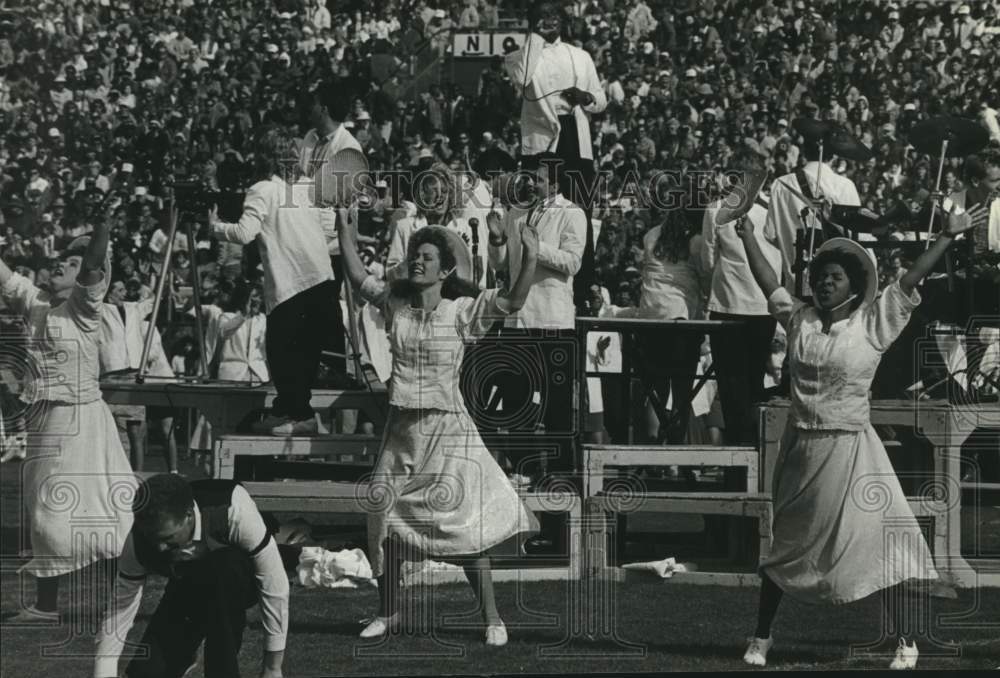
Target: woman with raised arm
(436, 491)
(77, 484)
(842, 526)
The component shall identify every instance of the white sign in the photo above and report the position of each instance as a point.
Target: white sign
(485, 44)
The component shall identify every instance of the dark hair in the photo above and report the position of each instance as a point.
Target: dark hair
(165, 495)
(336, 98)
(452, 287)
(539, 9)
(274, 155)
(857, 276)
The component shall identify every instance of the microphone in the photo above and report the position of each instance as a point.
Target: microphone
(477, 264)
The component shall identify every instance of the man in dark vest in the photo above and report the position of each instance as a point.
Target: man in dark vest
(210, 541)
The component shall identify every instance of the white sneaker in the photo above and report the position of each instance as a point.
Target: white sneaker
(906, 656)
(265, 425)
(756, 654)
(496, 635)
(379, 626)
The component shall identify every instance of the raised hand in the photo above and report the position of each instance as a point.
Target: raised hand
(744, 228)
(960, 223)
(495, 223)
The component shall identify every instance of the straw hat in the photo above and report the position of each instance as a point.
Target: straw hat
(862, 254)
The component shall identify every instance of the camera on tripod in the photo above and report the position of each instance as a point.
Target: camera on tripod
(196, 197)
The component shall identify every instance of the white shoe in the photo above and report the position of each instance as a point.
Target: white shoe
(268, 423)
(906, 656)
(379, 626)
(496, 635)
(32, 615)
(756, 654)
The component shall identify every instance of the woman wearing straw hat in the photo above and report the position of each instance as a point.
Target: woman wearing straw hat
(76, 485)
(436, 490)
(842, 526)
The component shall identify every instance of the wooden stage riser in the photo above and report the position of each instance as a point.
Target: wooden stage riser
(353, 449)
(597, 459)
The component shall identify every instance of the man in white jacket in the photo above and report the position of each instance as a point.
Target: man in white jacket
(299, 292)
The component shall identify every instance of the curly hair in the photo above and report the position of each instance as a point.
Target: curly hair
(452, 287)
(857, 276)
(162, 496)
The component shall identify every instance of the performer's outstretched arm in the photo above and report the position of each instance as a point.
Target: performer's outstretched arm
(762, 271)
(348, 234)
(955, 224)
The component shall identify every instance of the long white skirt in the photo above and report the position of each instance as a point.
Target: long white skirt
(77, 489)
(842, 526)
(438, 492)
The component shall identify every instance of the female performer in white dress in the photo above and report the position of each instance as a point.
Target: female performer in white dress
(77, 484)
(437, 491)
(842, 526)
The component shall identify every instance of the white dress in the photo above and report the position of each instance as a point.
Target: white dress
(77, 485)
(842, 526)
(436, 488)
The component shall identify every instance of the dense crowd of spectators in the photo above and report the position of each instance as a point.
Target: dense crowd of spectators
(121, 99)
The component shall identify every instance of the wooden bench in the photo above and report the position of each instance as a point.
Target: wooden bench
(357, 450)
(599, 515)
(597, 458)
(339, 498)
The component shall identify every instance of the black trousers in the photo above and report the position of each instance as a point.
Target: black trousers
(298, 330)
(672, 360)
(740, 363)
(207, 604)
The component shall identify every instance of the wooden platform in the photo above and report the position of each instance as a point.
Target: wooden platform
(358, 450)
(598, 458)
(226, 404)
(600, 519)
(338, 498)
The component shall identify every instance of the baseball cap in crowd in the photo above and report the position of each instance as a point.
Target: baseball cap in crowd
(60, 78)
(782, 123)
(363, 115)
(910, 107)
(127, 167)
(271, 48)
(963, 10)
(893, 15)
(425, 153)
(439, 14)
(54, 132)
(705, 89)
(690, 73)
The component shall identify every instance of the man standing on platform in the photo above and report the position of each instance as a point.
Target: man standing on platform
(558, 85)
(330, 108)
(540, 339)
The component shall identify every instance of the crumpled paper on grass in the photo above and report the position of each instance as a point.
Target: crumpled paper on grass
(665, 569)
(319, 568)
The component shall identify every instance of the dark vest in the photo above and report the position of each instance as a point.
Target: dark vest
(214, 498)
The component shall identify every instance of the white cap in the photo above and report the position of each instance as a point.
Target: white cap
(349, 124)
(53, 132)
(964, 9)
(127, 167)
(363, 115)
(893, 15)
(140, 190)
(910, 107)
(285, 57)
(782, 123)
(271, 48)
(60, 78)
(439, 14)
(690, 73)
(487, 137)
(425, 153)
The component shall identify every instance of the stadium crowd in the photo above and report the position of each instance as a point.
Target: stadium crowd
(105, 104)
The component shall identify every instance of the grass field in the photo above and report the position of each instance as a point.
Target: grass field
(636, 627)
